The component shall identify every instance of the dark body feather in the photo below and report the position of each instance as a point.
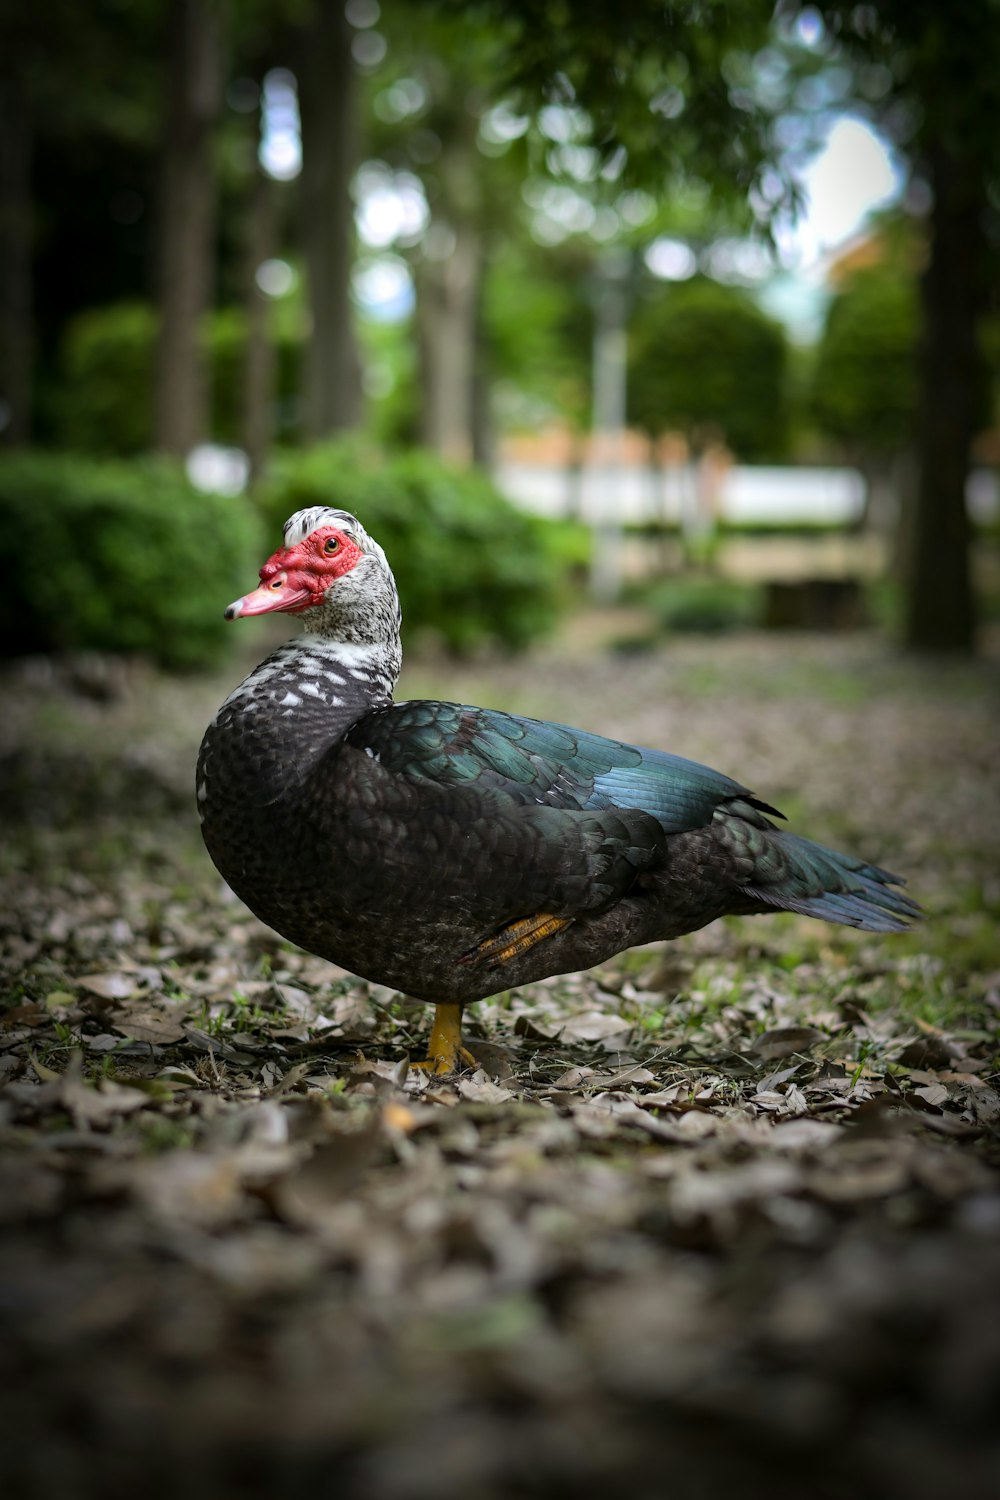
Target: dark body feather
(394, 839)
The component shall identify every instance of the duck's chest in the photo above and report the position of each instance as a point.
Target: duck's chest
(267, 779)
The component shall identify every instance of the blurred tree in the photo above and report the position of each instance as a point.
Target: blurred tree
(187, 221)
(326, 73)
(15, 256)
(78, 89)
(705, 361)
(864, 387)
(671, 87)
(256, 202)
(927, 77)
(449, 274)
(260, 239)
(612, 100)
(538, 317)
(429, 102)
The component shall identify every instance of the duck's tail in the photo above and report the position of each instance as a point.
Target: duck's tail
(794, 874)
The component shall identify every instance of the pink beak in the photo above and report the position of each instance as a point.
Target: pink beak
(268, 599)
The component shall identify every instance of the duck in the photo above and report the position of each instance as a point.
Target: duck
(451, 852)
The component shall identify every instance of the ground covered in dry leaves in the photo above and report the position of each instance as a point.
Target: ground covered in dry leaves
(721, 1217)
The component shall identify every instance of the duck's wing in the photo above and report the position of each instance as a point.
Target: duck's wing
(538, 762)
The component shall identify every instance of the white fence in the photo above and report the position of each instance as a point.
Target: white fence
(632, 494)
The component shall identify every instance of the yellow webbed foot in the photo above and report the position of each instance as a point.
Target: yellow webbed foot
(446, 1054)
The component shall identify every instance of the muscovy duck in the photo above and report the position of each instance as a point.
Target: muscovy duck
(452, 852)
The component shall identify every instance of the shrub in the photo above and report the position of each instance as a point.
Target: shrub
(103, 401)
(116, 556)
(706, 361)
(704, 605)
(865, 381)
(103, 397)
(470, 567)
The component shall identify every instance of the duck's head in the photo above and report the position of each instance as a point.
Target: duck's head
(330, 571)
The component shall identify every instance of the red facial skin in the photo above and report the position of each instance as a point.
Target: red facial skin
(296, 578)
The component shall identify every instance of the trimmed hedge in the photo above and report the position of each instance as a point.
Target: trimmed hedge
(471, 568)
(124, 557)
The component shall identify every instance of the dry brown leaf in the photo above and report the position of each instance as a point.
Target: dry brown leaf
(147, 1023)
(191, 1188)
(30, 1014)
(98, 1104)
(482, 1090)
(113, 986)
(591, 1026)
(782, 1041)
(308, 1195)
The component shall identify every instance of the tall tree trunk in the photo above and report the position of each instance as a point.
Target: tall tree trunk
(447, 308)
(940, 609)
(328, 105)
(15, 262)
(260, 362)
(187, 223)
(610, 393)
(483, 429)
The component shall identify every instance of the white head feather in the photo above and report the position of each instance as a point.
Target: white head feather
(304, 522)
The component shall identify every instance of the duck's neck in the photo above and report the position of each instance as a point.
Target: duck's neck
(315, 681)
(273, 730)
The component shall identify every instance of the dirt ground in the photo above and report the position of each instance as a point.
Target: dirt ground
(722, 1217)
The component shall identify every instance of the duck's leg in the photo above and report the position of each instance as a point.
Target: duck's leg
(446, 1053)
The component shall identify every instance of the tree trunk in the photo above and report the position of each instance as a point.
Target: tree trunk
(483, 432)
(328, 104)
(260, 362)
(447, 319)
(940, 606)
(610, 404)
(15, 263)
(187, 223)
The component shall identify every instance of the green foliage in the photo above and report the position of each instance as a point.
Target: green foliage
(539, 324)
(865, 382)
(115, 556)
(470, 567)
(104, 396)
(704, 605)
(103, 401)
(391, 380)
(226, 336)
(704, 360)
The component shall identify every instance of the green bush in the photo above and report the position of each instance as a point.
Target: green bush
(470, 567)
(116, 556)
(865, 381)
(706, 361)
(102, 402)
(704, 606)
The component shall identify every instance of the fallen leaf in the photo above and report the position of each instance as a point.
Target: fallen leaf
(45, 1074)
(148, 1024)
(932, 1093)
(91, 1104)
(116, 986)
(307, 1195)
(191, 1187)
(591, 1026)
(31, 1014)
(481, 1090)
(782, 1041)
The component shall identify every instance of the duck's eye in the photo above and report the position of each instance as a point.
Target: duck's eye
(332, 544)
